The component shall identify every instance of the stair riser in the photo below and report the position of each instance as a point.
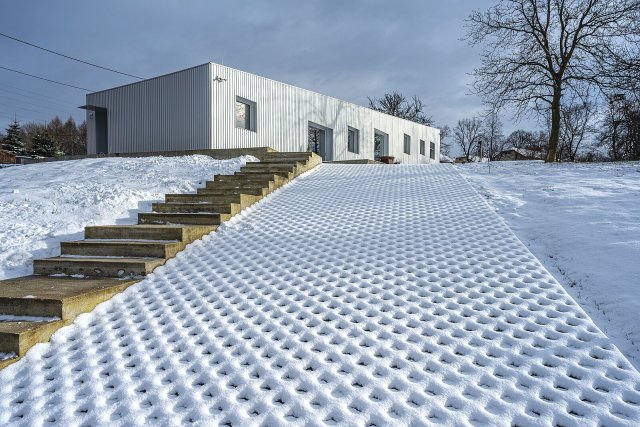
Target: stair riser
(10, 343)
(231, 209)
(240, 177)
(20, 343)
(123, 250)
(30, 307)
(234, 191)
(133, 233)
(186, 219)
(282, 174)
(243, 200)
(273, 167)
(210, 185)
(92, 268)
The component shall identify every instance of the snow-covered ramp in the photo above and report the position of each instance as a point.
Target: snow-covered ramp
(357, 295)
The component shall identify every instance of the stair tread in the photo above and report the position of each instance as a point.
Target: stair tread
(17, 328)
(96, 259)
(182, 213)
(57, 288)
(114, 242)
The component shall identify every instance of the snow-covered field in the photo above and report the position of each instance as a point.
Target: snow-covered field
(43, 204)
(358, 295)
(583, 222)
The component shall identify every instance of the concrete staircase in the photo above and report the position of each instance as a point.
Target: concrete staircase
(112, 258)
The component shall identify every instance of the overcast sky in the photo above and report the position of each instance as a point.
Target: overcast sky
(347, 49)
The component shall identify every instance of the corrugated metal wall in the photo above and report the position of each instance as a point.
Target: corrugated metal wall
(190, 110)
(283, 113)
(170, 112)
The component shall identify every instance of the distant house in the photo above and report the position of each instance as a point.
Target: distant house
(514, 153)
(7, 157)
(470, 159)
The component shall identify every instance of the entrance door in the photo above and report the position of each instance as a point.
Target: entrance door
(101, 131)
(380, 144)
(320, 140)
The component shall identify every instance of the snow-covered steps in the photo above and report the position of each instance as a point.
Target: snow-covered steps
(188, 218)
(94, 266)
(66, 285)
(48, 303)
(134, 251)
(181, 233)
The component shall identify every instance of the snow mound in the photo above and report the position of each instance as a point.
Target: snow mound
(43, 204)
(357, 295)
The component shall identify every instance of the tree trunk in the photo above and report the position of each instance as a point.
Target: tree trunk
(554, 136)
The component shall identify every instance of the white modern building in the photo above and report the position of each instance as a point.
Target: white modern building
(212, 106)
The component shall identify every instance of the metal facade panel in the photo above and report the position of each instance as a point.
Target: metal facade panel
(166, 113)
(283, 112)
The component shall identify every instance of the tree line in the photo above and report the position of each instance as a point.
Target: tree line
(53, 139)
(586, 133)
(563, 61)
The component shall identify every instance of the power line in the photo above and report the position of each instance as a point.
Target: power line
(39, 105)
(48, 80)
(69, 57)
(31, 93)
(5, 92)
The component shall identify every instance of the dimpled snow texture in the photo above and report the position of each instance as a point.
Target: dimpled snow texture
(357, 295)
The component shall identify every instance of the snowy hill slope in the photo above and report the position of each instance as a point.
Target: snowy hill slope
(386, 295)
(43, 204)
(583, 222)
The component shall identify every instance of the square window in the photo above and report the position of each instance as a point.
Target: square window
(353, 140)
(432, 150)
(407, 144)
(423, 148)
(245, 113)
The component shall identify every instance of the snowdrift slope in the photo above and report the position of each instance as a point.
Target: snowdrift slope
(43, 204)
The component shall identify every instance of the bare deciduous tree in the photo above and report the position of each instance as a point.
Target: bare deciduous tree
(576, 120)
(395, 104)
(620, 128)
(493, 136)
(445, 142)
(467, 134)
(536, 51)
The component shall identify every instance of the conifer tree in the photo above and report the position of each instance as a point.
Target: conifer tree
(13, 142)
(44, 146)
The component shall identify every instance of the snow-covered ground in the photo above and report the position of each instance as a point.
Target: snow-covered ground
(583, 222)
(378, 295)
(43, 204)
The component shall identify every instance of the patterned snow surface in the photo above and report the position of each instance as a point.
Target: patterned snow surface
(357, 295)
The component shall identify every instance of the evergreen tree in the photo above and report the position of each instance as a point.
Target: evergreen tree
(44, 146)
(13, 141)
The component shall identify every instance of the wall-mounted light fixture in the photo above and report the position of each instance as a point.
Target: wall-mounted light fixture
(219, 79)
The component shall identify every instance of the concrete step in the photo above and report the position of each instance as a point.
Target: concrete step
(228, 208)
(18, 337)
(243, 200)
(123, 248)
(282, 155)
(248, 177)
(183, 218)
(61, 297)
(96, 266)
(271, 166)
(255, 191)
(239, 184)
(181, 233)
(57, 299)
(287, 175)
